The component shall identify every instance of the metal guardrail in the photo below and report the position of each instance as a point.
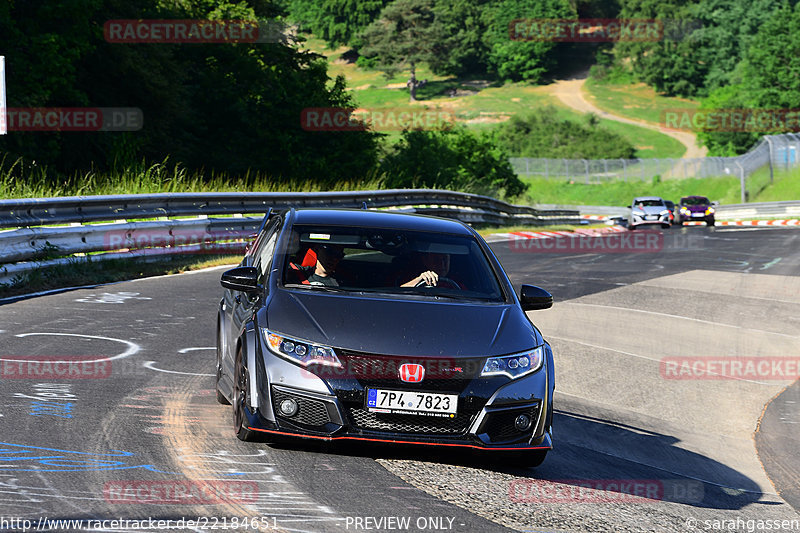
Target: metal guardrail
(40, 211)
(790, 209)
(36, 240)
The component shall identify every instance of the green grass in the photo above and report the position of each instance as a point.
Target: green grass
(21, 181)
(785, 186)
(620, 193)
(483, 109)
(636, 101)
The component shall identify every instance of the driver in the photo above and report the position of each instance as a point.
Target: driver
(435, 265)
(328, 257)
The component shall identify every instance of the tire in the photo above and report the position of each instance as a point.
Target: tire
(710, 222)
(239, 398)
(665, 226)
(631, 227)
(220, 397)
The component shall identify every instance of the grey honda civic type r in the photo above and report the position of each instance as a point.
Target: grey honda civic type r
(356, 325)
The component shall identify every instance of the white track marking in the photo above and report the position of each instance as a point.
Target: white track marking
(686, 318)
(186, 350)
(133, 348)
(150, 365)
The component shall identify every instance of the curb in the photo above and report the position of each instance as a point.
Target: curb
(514, 235)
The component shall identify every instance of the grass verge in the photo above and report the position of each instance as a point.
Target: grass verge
(636, 101)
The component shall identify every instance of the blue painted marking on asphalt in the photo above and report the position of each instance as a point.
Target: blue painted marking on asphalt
(10, 453)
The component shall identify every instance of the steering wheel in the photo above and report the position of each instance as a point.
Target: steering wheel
(452, 284)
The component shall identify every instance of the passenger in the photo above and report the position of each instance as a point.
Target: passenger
(328, 257)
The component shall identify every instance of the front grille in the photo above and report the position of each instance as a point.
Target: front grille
(310, 412)
(381, 371)
(363, 419)
(499, 425)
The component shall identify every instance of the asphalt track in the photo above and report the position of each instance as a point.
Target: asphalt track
(144, 418)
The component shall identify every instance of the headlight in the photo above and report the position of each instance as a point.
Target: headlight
(664, 212)
(710, 211)
(685, 210)
(300, 352)
(516, 365)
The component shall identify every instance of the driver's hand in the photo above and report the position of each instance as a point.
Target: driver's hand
(429, 277)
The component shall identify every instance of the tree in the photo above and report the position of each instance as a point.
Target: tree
(768, 77)
(337, 22)
(545, 135)
(454, 158)
(459, 27)
(521, 59)
(403, 36)
(219, 107)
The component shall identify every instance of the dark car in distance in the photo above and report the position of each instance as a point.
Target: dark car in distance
(696, 208)
(356, 325)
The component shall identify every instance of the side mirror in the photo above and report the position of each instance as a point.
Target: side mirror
(244, 279)
(533, 298)
(715, 203)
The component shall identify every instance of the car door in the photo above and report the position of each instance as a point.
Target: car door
(240, 305)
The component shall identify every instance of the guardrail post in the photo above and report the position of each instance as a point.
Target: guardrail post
(741, 181)
(586, 169)
(769, 143)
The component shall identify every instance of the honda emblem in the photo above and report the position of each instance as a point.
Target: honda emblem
(412, 373)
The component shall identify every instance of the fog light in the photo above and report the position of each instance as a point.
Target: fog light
(522, 423)
(288, 407)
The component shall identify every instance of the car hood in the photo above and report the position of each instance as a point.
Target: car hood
(650, 209)
(399, 326)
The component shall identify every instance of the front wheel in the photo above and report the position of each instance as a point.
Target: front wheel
(240, 389)
(710, 222)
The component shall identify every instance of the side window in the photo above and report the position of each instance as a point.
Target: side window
(265, 252)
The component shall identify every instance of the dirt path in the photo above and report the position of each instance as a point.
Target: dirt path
(570, 92)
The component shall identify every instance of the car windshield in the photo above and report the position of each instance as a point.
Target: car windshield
(389, 261)
(648, 203)
(696, 200)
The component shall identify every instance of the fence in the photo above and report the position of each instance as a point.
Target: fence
(780, 152)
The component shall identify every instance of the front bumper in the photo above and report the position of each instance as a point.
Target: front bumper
(333, 409)
(639, 220)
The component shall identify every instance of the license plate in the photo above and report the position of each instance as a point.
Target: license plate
(698, 214)
(412, 402)
(650, 217)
